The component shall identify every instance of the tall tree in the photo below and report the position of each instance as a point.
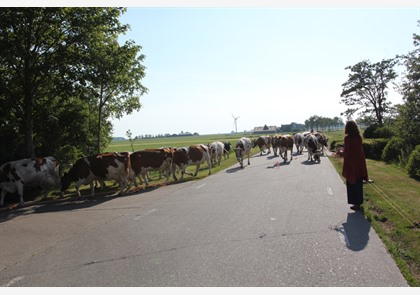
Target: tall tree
(408, 119)
(113, 76)
(366, 89)
(45, 58)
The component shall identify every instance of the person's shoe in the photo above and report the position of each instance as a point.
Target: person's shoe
(355, 207)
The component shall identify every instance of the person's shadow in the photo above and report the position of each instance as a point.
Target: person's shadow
(356, 231)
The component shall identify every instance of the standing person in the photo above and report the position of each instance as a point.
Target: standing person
(354, 167)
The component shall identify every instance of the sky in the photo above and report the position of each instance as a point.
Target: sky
(265, 63)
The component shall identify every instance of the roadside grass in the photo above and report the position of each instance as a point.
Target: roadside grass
(392, 205)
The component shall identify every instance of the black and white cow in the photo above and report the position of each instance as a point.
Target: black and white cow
(101, 167)
(242, 150)
(311, 144)
(227, 148)
(16, 175)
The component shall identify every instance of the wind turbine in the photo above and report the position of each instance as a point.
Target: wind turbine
(234, 123)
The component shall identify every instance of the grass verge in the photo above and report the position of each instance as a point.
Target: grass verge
(392, 205)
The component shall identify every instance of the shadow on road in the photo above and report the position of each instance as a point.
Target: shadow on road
(236, 169)
(356, 231)
(69, 203)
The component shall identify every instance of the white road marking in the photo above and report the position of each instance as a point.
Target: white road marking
(138, 217)
(148, 212)
(12, 282)
(329, 191)
(200, 186)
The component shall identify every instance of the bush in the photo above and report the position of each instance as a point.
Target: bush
(374, 131)
(413, 165)
(373, 148)
(335, 144)
(383, 132)
(392, 150)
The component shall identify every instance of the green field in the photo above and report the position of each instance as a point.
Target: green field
(141, 144)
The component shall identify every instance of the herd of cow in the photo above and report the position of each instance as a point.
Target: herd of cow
(126, 167)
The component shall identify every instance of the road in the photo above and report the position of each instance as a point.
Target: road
(265, 225)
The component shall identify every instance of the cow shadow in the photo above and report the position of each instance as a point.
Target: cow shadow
(69, 203)
(235, 169)
(278, 164)
(310, 163)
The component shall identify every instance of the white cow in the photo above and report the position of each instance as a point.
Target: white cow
(216, 150)
(242, 149)
(299, 142)
(16, 175)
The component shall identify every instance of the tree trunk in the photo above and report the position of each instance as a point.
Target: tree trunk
(28, 125)
(98, 142)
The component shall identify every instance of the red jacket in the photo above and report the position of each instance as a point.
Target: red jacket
(354, 166)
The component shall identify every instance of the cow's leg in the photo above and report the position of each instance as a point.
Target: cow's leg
(208, 164)
(92, 189)
(19, 186)
(249, 163)
(198, 168)
(78, 191)
(144, 176)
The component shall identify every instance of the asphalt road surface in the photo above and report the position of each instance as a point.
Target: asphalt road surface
(266, 225)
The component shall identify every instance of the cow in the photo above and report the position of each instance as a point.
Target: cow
(150, 160)
(242, 149)
(311, 144)
(192, 155)
(101, 167)
(35, 172)
(227, 148)
(299, 142)
(322, 141)
(216, 150)
(263, 142)
(285, 143)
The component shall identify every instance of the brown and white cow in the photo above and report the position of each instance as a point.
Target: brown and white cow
(311, 144)
(264, 143)
(216, 150)
(16, 175)
(192, 155)
(281, 144)
(101, 167)
(242, 149)
(285, 143)
(150, 160)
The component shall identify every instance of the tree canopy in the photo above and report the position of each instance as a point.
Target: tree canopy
(408, 119)
(366, 89)
(63, 76)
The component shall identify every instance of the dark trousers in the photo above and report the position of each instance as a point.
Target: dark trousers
(355, 192)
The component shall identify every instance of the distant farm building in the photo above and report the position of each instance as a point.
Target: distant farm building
(265, 129)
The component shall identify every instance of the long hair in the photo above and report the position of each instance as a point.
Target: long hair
(351, 129)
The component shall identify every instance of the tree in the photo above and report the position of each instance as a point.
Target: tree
(366, 89)
(408, 119)
(113, 74)
(62, 75)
